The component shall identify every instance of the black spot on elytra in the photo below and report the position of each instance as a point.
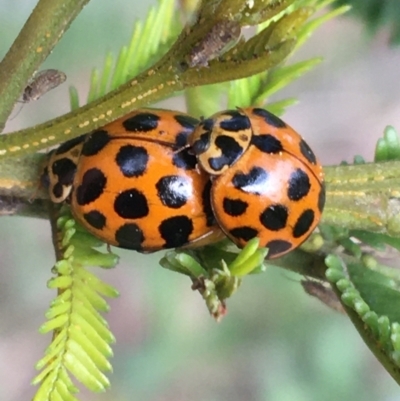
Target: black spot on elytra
(321, 198)
(207, 208)
(277, 247)
(183, 159)
(131, 204)
(95, 142)
(96, 219)
(143, 122)
(230, 152)
(234, 207)
(237, 122)
(298, 185)
(176, 231)
(92, 186)
(274, 217)
(129, 236)
(244, 233)
(182, 139)
(269, 118)
(303, 223)
(202, 143)
(67, 146)
(267, 143)
(132, 160)
(174, 191)
(307, 152)
(254, 182)
(187, 122)
(65, 170)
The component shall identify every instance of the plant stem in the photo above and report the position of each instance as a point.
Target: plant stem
(364, 196)
(21, 178)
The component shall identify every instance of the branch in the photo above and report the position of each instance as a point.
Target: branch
(170, 74)
(364, 196)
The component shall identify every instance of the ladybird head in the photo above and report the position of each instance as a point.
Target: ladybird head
(220, 141)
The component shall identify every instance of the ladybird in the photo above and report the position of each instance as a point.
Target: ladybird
(128, 184)
(267, 182)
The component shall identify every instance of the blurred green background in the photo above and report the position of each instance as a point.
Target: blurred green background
(276, 343)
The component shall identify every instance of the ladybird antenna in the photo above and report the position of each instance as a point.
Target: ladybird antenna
(181, 148)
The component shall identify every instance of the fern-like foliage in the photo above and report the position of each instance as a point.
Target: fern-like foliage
(80, 347)
(371, 299)
(378, 14)
(150, 39)
(256, 90)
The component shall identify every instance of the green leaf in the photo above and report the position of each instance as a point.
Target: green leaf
(376, 240)
(371, 300)
(255, 90)
(81, 340)
(150, 39)
(388, 147)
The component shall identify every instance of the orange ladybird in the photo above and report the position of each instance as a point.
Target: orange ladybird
(129, 186)
(267, 182)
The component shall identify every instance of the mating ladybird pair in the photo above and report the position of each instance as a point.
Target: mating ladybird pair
(158, 179)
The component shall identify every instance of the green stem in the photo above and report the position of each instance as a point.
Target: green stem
(227, 70)
(21, 207)
(306, 264)
(43, 29)
(147, 87)
(21, 178)
(364, 196)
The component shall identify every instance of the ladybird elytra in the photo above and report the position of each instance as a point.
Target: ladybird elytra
(273, 135)
(133, 189)
(162, 126)
(273, 190)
